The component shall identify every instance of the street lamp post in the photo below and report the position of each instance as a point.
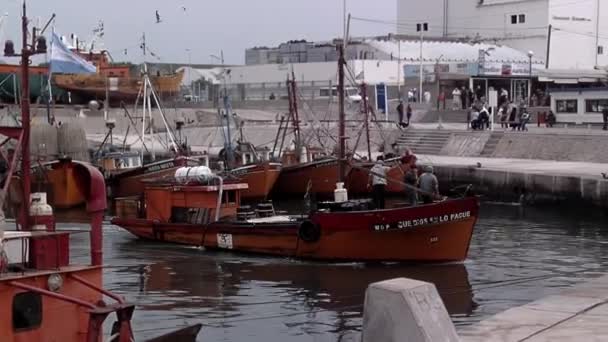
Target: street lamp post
(421, 27)
(190, 74)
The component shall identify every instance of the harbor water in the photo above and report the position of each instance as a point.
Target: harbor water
(516, 256)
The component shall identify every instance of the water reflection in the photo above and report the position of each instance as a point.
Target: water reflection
(244, 297)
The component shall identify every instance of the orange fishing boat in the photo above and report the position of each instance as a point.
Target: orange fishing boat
(317, 177)
(43, 296)
(130, 181)
(260, 178)
(59, 180)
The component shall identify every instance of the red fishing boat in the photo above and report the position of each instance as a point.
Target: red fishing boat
(43, 296)
(207, 215)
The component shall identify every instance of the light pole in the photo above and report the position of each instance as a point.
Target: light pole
(190, 74)
(421, 27)
(530, 55)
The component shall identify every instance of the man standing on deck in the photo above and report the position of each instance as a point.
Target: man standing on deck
(429, 185)
(411, 180)
(377, 178)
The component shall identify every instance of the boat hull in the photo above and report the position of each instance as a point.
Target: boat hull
(322, 176)
(438, 232)
(61, 321)
(126, 88)
(260, 178)
(131, 182)
(59, 180)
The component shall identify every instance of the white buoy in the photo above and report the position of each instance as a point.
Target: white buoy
(340, 194)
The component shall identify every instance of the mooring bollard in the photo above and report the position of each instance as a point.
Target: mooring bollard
(405, 310)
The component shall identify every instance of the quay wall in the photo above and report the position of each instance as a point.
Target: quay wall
(525, 187)
(561, 147)
(549, 144)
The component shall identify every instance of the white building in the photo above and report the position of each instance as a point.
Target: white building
(568, 31)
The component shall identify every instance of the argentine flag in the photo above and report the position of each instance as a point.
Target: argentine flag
(64, 61)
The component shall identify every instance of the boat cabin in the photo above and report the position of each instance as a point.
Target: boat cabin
(120, 161)
(192, 204)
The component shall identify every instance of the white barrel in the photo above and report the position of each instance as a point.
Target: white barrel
(340, 194)
(200, 174)
(39, 207)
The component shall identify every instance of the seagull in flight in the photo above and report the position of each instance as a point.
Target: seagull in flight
(157, 17)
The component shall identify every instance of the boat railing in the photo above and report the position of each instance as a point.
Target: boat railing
(33, 251)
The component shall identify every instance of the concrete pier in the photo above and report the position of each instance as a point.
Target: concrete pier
(405, 310)
(577, 314)
(537, 181)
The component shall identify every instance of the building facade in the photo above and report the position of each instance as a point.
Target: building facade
(565, 33)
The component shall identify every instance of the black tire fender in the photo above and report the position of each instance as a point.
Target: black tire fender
(309, 231)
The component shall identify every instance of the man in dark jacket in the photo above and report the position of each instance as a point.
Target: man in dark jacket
(400, 112)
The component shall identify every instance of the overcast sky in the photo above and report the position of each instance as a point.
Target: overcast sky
(205, 27)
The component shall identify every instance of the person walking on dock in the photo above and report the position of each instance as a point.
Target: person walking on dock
(441, 100)
(456, 99)
(429, 185)
(378, 182)
(400, 113)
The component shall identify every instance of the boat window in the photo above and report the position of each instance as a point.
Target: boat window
(190, 215)
(247, 158)
(229, 197)
(27, 311)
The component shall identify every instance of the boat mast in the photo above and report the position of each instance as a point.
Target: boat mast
(366, 117)
(227, 113)
(293, 110)
(342, 133)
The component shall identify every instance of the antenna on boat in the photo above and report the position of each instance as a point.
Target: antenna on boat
(227, 112)
(148, 94)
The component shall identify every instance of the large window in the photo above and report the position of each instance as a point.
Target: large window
(595, 105)
(566, 106)
(518, 19)
(27, 311)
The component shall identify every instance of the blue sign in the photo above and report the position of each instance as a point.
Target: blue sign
(381, 98)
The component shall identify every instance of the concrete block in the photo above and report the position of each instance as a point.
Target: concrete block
(405, 310)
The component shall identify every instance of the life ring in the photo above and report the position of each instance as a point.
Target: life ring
(309, 232)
